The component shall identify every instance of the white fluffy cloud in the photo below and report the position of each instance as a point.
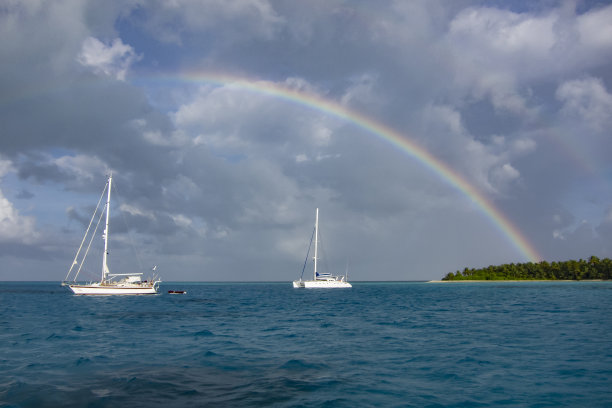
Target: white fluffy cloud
(84, 168)
(595, 30)
(495, 50)
(14, 227)
(112, 60)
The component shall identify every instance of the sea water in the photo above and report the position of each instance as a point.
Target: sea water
(526, 344)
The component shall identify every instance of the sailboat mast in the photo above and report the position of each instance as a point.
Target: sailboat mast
(104, 264)
(316, 242)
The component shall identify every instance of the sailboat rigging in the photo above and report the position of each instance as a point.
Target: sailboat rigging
(110, 283)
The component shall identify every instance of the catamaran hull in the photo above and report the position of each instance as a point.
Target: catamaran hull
(112, 290)
(320, 284)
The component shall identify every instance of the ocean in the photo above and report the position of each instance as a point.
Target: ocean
(405, 344)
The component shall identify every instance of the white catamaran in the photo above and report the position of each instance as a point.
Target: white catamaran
(320, 280)
(111, 283)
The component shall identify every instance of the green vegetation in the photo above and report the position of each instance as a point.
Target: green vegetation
(594, 268)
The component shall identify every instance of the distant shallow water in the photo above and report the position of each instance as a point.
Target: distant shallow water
(521, 344)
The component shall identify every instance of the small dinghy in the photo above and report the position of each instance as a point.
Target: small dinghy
(177, 292)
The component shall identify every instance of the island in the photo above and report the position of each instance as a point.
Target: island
(591, 269)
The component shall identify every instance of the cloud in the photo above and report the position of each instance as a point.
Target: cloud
(14, 227)
(605, 228)
(505, 173)
(487, 165)
(112, 60)
(74, 169)
(219, 177)
(175, 22)
(361, 92)
(588, 101)
(595, 30)
(496, 50)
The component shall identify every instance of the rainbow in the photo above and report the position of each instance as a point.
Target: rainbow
(381, 131)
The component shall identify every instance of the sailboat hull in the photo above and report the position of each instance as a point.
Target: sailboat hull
(96, 289)
(321, 284)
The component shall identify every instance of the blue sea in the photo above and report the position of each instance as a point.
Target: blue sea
(525, 344)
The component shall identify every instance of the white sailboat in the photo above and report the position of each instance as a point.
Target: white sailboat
(321, 280)
(110, 283)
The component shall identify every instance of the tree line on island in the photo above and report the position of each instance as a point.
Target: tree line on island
(593, 268)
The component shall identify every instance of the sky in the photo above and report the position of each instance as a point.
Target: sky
(432, 135)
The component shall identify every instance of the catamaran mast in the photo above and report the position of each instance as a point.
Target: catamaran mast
(316, 242)
(105, 270)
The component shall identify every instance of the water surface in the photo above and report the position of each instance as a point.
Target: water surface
(525, 344)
